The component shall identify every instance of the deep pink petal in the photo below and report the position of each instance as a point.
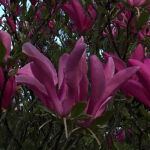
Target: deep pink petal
(62, 64)
(114, 84)
(6, 41)
(147, 62)
(119, 64)
(26, 70)
(143, 73)
(74, 70)
(138, 53)
(138, 91)
(42, 62)
(97, 82)
(109, 69)
(8, 92)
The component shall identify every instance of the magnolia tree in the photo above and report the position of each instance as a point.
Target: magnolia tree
(74, 74)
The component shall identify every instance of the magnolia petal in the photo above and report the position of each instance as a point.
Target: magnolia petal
(137, 90)
(74, 68)
(83, 88)
(114, 84)
(119, 64)
(44, 64)
(109, 69)
(62, 64)
(6, 41)
(143, 73)
(138, 53)
(9, 91)
(26, 70)
(97, 82)
(147, 62)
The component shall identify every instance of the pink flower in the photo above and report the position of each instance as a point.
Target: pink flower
(136, 3)
(41, 77)
(139, 85)
(104, 84)
(8, 89)
(78, 15)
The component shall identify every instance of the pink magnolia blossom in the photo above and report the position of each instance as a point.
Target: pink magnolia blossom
(139, 85)
(41, 77)
(104, 84)
(136, 3)
(10, 86)
(77, 13)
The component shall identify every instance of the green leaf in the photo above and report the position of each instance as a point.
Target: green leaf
(144, 16)
(78, 109)
(2, 52)
(102, 119)
(145, 113)
(82, 116)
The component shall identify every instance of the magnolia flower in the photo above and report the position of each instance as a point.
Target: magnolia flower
(136, 3)
(139, 85)
(78, 15)
(104, 84)
(7, 88)
(40, 76)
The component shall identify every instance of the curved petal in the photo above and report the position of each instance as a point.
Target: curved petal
(6, 41)
(62, 64)
(138, 53)
(75, 68)
(83, 88)
(49, 86)
(43, 63)
(26, 70)
(143, 73)
(8, 92)
(115, 83)
(97, 82)
(137, 90)
(147, 62)
(119, 64)
(37, 88)
(32, 83)
(109, 69)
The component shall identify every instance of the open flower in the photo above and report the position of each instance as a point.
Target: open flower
(41, 77)
(139, 85)
(7, 85)
(104, 84)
